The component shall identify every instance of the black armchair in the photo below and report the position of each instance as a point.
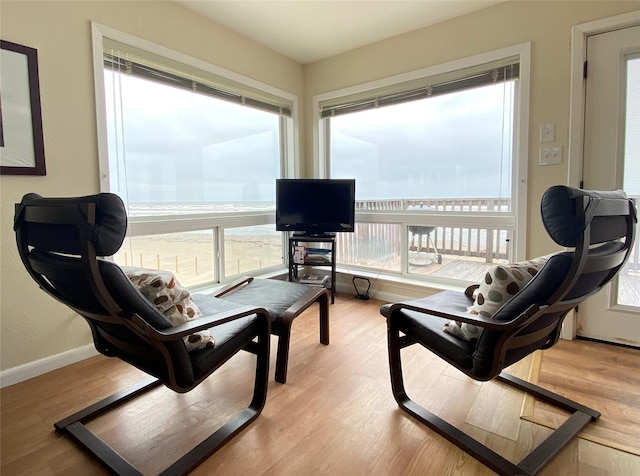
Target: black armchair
(600, 227)
(59, 241)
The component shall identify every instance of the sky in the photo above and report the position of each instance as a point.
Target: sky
(205, 149)
(210, 150)
(453, 145)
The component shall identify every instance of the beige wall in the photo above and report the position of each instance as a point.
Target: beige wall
(32, 325)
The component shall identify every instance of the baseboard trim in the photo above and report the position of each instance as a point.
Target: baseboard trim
(42, 366)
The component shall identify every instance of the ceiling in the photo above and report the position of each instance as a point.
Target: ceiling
(311, 30)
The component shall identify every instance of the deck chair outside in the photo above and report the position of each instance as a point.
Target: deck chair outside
(599, 229)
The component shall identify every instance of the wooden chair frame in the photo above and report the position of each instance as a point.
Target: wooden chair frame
(516, 333)
(534, 461)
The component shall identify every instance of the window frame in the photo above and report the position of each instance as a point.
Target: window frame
(516, 219)
(218, 222)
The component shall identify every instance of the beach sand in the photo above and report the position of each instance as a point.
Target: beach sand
(191, 255)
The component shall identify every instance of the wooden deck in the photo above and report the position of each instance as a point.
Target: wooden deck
(458, 268)
(473, 270)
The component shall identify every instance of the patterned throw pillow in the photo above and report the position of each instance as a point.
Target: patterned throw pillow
(500, 284)
(171, 299)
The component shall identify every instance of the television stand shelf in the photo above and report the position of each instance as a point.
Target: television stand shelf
(328, 261)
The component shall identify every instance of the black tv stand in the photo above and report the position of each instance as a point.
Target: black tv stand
(304, 234)
(330, 241)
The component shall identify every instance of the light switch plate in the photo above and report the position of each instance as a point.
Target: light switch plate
(547, 132)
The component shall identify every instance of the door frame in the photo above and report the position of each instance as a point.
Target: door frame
(579, 35)
(575, 155)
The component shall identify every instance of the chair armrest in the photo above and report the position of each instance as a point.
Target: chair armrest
(233, 285)
(419, 305)
(205, 322)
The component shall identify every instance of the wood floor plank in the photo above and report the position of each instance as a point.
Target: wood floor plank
(335, 415)
(604, 377)
(595, 459)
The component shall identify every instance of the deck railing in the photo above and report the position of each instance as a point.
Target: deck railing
(437, 204)
(489, 244)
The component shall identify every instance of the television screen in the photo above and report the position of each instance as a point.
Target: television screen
(315, 206)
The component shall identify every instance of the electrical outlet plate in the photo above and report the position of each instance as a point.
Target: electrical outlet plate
(550, 155)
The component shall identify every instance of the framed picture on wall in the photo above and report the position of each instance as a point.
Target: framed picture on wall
(21, 139)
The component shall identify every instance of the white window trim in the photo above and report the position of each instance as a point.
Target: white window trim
(321, 158)
(141, 226)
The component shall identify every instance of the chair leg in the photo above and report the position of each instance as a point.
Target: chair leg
(440, 426)
(225, 433)
(323, 303)
(73, 425)
(282, 328)
(533, 462)
(395, 365)
(117, 464)
(282, 354)
(581, 416)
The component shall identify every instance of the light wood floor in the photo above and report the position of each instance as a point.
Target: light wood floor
(609, 383)
(334, 416)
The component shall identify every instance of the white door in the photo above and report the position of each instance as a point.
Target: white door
(612, 160)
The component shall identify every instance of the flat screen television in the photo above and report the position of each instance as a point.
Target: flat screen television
(315, 206)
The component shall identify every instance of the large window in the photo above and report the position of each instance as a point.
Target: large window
(439, 159)
(174, 151)
(194, 155)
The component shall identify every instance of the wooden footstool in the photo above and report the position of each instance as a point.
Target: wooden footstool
(285, 301)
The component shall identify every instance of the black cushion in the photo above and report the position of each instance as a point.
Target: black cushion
(227, 337)
(273, 295)
(107, 237)
(558, 209)
(429, 330)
